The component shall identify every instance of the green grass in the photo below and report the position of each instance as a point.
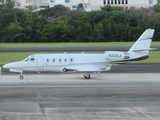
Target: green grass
(6, 57)
(71, 44)
(154, 57)
(17, 56)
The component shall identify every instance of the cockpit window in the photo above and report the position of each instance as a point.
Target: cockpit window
(26, 59)
(31, 59)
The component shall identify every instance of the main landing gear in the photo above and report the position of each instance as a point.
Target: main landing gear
(86, 76)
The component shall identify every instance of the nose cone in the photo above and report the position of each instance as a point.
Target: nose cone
(11, 65)
(6, 66)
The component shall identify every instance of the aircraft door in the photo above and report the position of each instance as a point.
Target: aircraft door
(40, 63)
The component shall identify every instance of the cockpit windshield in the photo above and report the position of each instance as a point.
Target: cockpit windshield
(26, 59)
(29, 59)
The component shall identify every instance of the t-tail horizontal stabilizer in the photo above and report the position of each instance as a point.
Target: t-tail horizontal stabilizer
(136, 50)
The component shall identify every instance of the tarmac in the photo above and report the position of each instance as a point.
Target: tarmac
(106, 96)
(69, 49)
(127, 92)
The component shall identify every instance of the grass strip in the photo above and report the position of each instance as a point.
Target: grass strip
(71, 44)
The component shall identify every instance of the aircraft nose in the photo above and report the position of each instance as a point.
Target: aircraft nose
(7, 66)
(11, 65)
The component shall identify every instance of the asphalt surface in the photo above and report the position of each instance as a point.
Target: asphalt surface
(67, 49)
(60, 49)
(123, 68)
(107, 96)
(127, 92)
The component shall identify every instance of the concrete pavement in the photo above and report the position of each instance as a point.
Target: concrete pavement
(111, 96)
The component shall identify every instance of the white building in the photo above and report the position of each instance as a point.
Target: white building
(96, 4)
(42, 4)
(88, 4)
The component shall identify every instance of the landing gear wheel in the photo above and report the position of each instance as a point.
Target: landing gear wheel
(64, 69)
(87, 76)
(21, 77)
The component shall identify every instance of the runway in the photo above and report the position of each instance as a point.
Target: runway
(69, 49)
(107, 96)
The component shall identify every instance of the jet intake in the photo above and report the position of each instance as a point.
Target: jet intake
(116, 56)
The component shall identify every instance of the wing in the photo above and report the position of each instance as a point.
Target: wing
(88, 68)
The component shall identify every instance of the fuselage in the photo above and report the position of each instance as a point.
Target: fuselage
(56, 62)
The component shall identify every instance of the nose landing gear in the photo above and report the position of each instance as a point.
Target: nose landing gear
(21, 77)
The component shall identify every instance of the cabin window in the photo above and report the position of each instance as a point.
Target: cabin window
(59, 60)
(71, 60)
(47, 60)
(65, 60)
(53, 60)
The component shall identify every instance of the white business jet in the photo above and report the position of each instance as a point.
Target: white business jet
(84, 63)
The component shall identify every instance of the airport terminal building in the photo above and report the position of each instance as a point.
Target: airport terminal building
(88, 4)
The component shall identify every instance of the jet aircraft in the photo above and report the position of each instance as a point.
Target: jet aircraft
(85, 63)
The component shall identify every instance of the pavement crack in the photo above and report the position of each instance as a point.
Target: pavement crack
(142, 113)
(36, 98)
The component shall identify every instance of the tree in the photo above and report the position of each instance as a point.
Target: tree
(13, 33)
(60, 24)
(80, 8)
(55, 12)
(7, 4)
(109, 8)
(156, 7)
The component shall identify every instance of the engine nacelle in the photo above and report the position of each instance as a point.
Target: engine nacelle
(116, 56)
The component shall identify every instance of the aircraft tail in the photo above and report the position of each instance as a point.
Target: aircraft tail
(140, 49)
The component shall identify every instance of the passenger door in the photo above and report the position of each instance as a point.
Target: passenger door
(40, 63)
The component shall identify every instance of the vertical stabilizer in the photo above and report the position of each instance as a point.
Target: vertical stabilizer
(143, 42)
(140, 49)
